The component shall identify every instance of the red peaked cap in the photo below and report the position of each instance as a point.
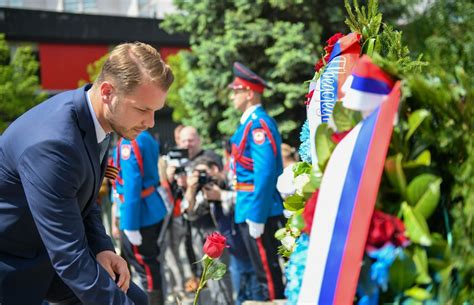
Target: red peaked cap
(244, 78)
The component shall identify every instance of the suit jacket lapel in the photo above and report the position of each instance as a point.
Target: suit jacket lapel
(86, 124)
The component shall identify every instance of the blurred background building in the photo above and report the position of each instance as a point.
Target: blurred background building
(68, 35)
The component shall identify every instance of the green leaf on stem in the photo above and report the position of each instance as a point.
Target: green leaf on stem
(415, 120)
(301, 168)
(418, 294)
(280, 233)
(423, 159)
(311, 186)
(395, 174)
(402, 273)
(424, 193)
(416, 226)
(345, 119)
(421, 261)
(216, 271)
(297, 221)
(324, 145)
(294, 202)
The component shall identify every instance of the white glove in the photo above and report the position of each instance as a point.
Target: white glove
(134, 237)
(255, 228)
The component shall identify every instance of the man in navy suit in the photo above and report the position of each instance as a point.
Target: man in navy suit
(53, 245)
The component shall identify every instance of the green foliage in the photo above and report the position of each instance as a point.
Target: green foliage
(279, 40)
(402, 273)
(443, 33)
(302, 168)
(416, 226)
(324, 145)
(430, 164)
(294, 203)
(424, 193)
(366, 21)
(344, 118)
(216, 271)
(19, 83)
(174, 100)
(93, 69)
(395, 173)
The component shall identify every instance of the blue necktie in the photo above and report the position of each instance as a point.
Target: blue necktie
(103, 147)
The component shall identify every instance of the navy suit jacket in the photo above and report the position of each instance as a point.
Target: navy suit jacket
(49, 220)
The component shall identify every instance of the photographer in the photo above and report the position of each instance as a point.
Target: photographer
(180, 162)
(190, 141)
(208, 204)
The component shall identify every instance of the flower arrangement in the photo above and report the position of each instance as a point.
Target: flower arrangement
(409, 255)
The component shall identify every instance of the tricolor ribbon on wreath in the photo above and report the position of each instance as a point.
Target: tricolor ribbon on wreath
(351, 180)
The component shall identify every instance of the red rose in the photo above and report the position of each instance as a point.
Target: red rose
(385, 228)
(214, 245)
(334, 38)
(318, 65)
(308, 213)
(327, 51)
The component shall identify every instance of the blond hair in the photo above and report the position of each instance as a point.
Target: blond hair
(129, 64)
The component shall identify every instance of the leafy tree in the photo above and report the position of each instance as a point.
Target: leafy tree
(277, 39)
(174, 99)
(19, 83)
(280, 40)
(443, 33)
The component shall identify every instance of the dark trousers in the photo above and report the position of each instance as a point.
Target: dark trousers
(60, 294)
(263, 253)
(144, 259)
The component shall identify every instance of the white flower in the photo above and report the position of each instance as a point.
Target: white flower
(300, 181)
(288, 242)
(285, 182)
(287, 213)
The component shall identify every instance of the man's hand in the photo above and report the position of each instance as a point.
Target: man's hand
(212, 192)
(134, 237)
(115, 265)
(170, 171)
(255, 229)
(190, 195)
(193, 182)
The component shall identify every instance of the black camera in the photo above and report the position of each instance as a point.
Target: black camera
(203, 178)
(178, 158)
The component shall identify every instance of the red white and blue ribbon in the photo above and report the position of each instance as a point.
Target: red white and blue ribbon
(328, 88)
(344, 209)
(367, 86)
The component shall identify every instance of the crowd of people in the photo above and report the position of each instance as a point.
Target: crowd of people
(158, 209)
(200, 192)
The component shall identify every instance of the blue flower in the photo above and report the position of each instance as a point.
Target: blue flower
(305, 147)
(295, 269)
(384, 257)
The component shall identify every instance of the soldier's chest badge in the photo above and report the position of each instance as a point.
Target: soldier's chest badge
(125, 151)
(258, 136)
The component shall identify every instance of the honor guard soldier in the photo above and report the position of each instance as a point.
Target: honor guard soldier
(142, 210)
(256, 163)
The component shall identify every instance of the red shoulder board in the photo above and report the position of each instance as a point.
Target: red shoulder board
(258, 136)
